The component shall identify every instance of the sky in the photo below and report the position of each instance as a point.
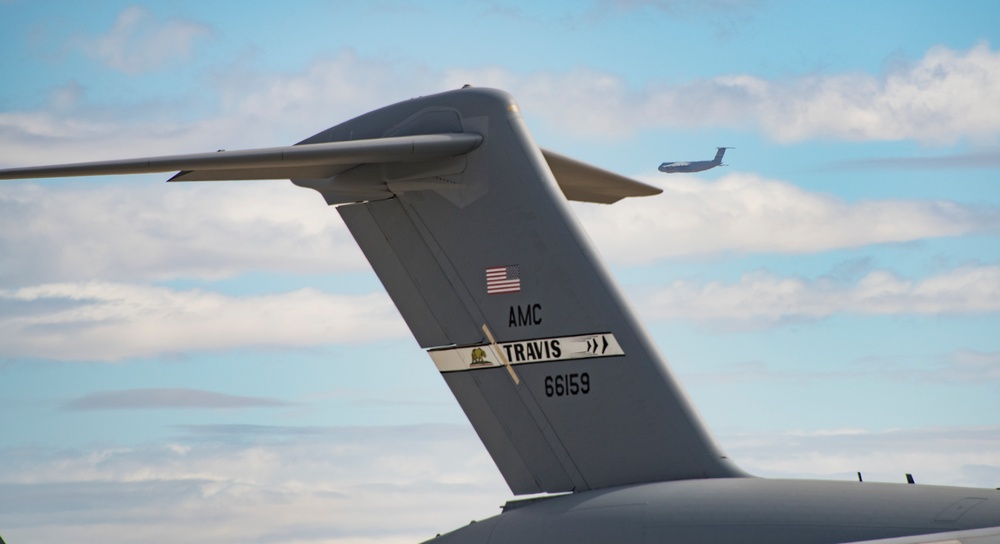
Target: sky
(217, 362)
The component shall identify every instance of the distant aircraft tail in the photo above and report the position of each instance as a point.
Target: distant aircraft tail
(497, 280)
(720, 151)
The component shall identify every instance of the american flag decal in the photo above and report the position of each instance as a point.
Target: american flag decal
(503, 279)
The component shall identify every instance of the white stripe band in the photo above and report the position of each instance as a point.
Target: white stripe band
(527, 351)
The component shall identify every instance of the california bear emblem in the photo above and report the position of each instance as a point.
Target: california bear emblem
(479, 358)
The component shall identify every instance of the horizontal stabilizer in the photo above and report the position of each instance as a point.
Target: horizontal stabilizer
(314, 161)
(585, 183)
(295, 161)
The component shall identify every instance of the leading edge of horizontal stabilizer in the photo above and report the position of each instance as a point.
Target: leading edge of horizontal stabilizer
(403, 163)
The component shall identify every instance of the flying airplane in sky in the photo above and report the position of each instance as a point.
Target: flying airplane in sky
(465, 221)
(696, 166)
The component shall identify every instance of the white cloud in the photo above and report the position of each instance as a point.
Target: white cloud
(344, 485)
(984, 159)
(147, 230)
(44, 137)
(744, 213)
(86, 251)
(139, 42)
(391, 484)
(108, 322)
(329, 91)
(761, 299)
(962, 366)
(941, 98)
(939, 456)
(944, 97)
(167, 398)
(255, 110)
(966, 367)
(969, 366)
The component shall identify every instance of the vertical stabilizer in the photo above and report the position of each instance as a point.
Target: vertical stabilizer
(496, 279)
(720, 151)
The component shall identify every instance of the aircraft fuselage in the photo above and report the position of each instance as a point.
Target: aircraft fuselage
(678, 167)
(687, 167)
(730, 510)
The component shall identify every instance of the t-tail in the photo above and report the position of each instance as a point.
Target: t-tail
(466, 222)
(497, 280)
(720, 151)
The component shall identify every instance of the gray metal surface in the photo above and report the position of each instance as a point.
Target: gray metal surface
(269, 163)
(633, 423)
(742, 510)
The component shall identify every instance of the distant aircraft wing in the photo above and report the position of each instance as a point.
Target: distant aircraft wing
(989, 535)
(579, 181)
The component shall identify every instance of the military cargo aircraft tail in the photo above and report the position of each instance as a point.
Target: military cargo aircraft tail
(499, 283)
(465, 222)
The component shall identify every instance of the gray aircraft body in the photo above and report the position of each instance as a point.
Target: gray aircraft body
(465, 221)
(694, 166)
